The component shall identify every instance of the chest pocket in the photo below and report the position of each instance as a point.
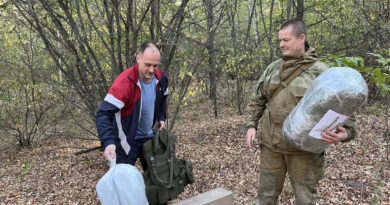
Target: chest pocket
(284, 102)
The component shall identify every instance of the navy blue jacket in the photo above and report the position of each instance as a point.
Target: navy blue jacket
(119, 114)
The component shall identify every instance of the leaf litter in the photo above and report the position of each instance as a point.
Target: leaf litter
(49, 172)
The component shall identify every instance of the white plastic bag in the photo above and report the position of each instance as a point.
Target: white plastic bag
(122, 184)
(341, 90)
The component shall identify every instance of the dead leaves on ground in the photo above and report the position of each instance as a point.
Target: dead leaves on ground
(357, 172)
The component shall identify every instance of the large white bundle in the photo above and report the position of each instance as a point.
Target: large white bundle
(339, 90)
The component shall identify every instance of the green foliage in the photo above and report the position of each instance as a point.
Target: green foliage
(29, 105)
(377, 109)
(377, 74)
(26, 166)
(93, 43)
(381, 74)
(28, 110)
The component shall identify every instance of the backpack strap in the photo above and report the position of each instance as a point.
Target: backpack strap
(171, 156)
(283, 84)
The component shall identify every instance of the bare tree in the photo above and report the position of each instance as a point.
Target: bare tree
(300, 9)
(212, 26)
(28, 108)
(233, 35)
(92, 38)
(169, 36)
(268, 31)
(252, 21)
(290, 6)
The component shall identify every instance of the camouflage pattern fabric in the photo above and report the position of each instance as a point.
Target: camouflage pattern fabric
(274, 113)
(304, 171)
(277, 156)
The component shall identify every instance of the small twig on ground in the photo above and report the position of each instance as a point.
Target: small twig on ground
(87, 150)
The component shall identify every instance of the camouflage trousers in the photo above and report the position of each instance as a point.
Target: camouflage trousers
(305, 170)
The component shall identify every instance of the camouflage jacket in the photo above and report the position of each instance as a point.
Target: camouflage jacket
(274, 113)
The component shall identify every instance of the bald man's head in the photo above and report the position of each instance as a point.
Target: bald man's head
(151, 47)
(148, 59)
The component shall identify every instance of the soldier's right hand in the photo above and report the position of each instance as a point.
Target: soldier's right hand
(250, 136)
(109, 152)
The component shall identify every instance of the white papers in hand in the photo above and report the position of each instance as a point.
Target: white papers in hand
(329, 121)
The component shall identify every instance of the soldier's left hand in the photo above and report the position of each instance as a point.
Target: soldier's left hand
(330, 137)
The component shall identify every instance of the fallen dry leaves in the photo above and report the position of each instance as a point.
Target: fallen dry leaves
(49, 173)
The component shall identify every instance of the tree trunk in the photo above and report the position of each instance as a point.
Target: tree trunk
(171, 35)
(211, 51)
(268, 31)
(252, 11)
(85, 56)
(290, 5)
(300, 9)
(232, 22)
(185, 83)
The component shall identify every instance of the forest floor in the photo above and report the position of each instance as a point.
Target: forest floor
(49, 173)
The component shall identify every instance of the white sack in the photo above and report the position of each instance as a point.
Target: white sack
(340, 89)
(122, 184)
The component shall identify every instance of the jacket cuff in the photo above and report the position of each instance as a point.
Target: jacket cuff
(350, 137)
(250, 125)
(351, 131)
(108, 142)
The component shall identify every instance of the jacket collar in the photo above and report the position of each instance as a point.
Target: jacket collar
(290, 64)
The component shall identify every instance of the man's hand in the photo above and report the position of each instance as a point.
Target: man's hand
(161, 124)
(250, 136)
(109, 152)
(330, 137)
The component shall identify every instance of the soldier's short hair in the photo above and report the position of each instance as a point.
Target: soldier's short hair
(299, 27)
(146, 45)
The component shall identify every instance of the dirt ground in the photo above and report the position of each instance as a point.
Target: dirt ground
(49, 172)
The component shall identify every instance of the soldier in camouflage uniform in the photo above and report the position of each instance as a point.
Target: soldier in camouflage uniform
(304, 169)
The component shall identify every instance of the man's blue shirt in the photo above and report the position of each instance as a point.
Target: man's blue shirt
(148, 96)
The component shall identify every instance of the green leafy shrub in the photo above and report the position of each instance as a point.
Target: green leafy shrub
(376, 74)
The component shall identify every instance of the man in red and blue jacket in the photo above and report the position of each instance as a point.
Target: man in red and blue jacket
(120, 120)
